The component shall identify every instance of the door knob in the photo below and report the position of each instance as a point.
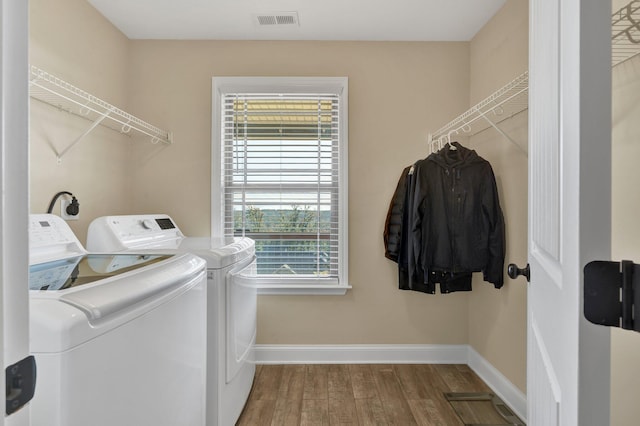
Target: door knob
(513, 271)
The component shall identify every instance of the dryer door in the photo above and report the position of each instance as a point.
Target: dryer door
(242, 300)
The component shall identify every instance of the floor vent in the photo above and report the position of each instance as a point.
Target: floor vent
(482, 409)
(280, 18)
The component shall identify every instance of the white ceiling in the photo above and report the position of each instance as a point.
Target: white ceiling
(392, 20)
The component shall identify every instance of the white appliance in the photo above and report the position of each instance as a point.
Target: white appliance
(232, 299)
(118, 339)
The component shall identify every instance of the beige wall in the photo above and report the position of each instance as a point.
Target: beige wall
(625, 345)
(498, 319)
(398, 92)
(69, 39)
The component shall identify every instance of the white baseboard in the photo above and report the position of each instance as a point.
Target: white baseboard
(397, 354)
(501, 386)
(361, 354)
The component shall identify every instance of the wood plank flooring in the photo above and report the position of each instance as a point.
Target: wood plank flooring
(403, 395)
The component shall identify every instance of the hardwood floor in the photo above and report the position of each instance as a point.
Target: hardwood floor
(366, 394)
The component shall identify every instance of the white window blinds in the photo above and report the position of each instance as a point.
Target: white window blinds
(281, 183)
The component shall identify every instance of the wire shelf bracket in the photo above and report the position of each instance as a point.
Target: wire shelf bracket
(56, 92)
(503, 104)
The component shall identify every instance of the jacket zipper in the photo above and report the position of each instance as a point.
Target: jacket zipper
(454, 221)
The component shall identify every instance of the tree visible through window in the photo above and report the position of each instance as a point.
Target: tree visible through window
(281, 179)
(287, 239)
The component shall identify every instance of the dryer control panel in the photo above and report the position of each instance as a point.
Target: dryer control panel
(116, 233)
(50, 238)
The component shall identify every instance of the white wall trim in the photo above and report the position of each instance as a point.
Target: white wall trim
(398, 354)
(501, 386)
(361, 354)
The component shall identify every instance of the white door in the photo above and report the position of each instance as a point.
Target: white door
(569, 208)
(14, 179)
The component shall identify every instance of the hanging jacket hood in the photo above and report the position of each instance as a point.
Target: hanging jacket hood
(455, 155)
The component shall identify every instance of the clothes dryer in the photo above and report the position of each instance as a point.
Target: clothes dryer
(118, 339)
(231, 299)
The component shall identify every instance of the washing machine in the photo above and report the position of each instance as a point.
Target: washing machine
(231, 299)
(118, 339)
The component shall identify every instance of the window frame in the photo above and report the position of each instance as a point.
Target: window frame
(274, 85)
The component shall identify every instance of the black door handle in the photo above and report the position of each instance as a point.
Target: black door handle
(513, 271)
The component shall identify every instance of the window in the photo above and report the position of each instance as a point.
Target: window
(280, 177)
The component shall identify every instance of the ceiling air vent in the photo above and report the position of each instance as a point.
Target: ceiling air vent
(279, 18)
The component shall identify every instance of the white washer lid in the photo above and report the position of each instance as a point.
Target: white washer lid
(218, 253)
(103, 297)
(63, 319)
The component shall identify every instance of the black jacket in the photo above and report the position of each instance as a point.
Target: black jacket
(451, 223)
(393, 224)
(396, 235)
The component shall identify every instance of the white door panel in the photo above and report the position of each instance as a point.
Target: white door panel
(544, 389)
(545, 227)
(569, 208)
(14, 302)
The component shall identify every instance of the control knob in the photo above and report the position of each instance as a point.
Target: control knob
(147, 224)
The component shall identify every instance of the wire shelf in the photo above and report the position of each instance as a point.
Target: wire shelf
(503, 104)
(625, 33)
(513, 98)
(54, 91)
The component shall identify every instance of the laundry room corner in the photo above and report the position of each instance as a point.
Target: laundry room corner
(498, 319)
(72, 41)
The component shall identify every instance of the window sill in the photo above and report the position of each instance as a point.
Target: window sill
(271, 286)
(293, 289)
(291, 285)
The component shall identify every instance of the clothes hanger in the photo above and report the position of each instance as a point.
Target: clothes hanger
(452, 147)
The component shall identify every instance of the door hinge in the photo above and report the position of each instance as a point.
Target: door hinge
(20, 383)
(612, 294)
